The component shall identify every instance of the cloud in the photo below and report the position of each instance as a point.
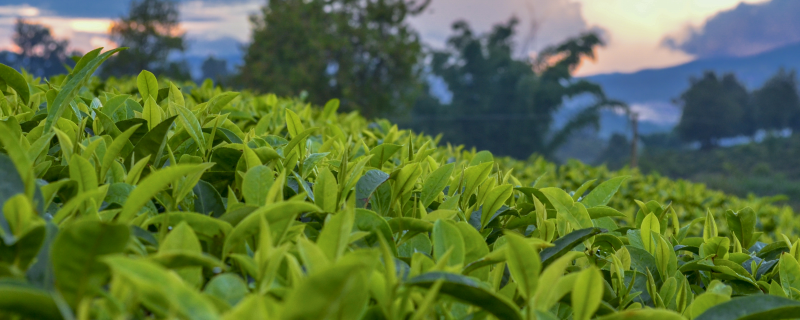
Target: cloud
(542, 22)
(75, 8)
(744, 30)
(93, 8)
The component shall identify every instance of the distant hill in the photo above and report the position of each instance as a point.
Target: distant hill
(653, 89)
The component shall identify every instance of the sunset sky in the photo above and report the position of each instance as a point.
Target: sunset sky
(640, 34)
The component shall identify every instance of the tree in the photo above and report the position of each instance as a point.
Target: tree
(150, 31)
(777, 102)
(215, 69)
(40, 53)
(712, 109)
(505, 104)
(360, 51)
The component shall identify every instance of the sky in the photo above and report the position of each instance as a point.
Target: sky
(639, 34)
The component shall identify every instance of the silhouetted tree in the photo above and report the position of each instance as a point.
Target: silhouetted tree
(151, 33)
(215, 69)
(40, 53)
(506, 104)
(712, 109)
(777, 102)
(362, 52)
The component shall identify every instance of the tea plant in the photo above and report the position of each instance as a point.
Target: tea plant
(133, 199)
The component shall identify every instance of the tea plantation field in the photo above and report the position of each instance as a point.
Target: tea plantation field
(146, 199)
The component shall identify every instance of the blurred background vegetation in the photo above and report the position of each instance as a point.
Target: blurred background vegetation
(365, 53)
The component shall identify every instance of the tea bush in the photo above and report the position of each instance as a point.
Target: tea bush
(132, 199)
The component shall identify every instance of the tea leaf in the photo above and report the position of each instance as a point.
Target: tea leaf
(148, 85)
(76, 254)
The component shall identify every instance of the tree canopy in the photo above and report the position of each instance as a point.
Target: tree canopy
(507, 104)
(361, 52)
(777, 102)
(40, 53)
(151, 33)
(713, 109)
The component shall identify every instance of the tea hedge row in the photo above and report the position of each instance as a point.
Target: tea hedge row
(150, 199)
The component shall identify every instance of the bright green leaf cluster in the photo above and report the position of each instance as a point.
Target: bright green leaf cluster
(142, 198)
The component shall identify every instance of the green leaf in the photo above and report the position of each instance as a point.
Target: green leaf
(227, 287)
(442, 214)
(743, 225)
(176, 96)
(82, 171)
(367, 184)
(192, 126)
(69, 90)
(335, 235)
(709, 226)
(256, 183)
(326, 190)
(382, 153)
(31, 303)
(481, 157)
(154, 183)
(587, 294)
(311, 162)
(405, 180)
(75, 254)
(219, 101)
(475, 249)
(474, 176)
(753, 308)
(789, 270)
(564, 244)
(160, 290)
(494, 200)
(523, 264)
(544, 298)
(153, 142)
(201, 224)
(650, 225)
(113, 150)
(293, 123)
(649, 314)
(10, 185)
(469, 291)
(330, 109)
(603, 211)
(447, 238)
(410, 224)
(435, 183)
(297, 140)
(275, 214)
(582, 189)
(337, 292)
(151, 113)
(16, 81)
(369, 221)
(208, 200)
(601, 195)
(574, 212)
(21, 163)
(148, 85)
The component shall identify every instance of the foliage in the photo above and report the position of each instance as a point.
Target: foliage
(498, 98)
(215, 69)
(778, 102)
(362, 52)
(716, 108)
(762, 168)
(713, 108)
(151, 32)
(40, 53)
(185, 201)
